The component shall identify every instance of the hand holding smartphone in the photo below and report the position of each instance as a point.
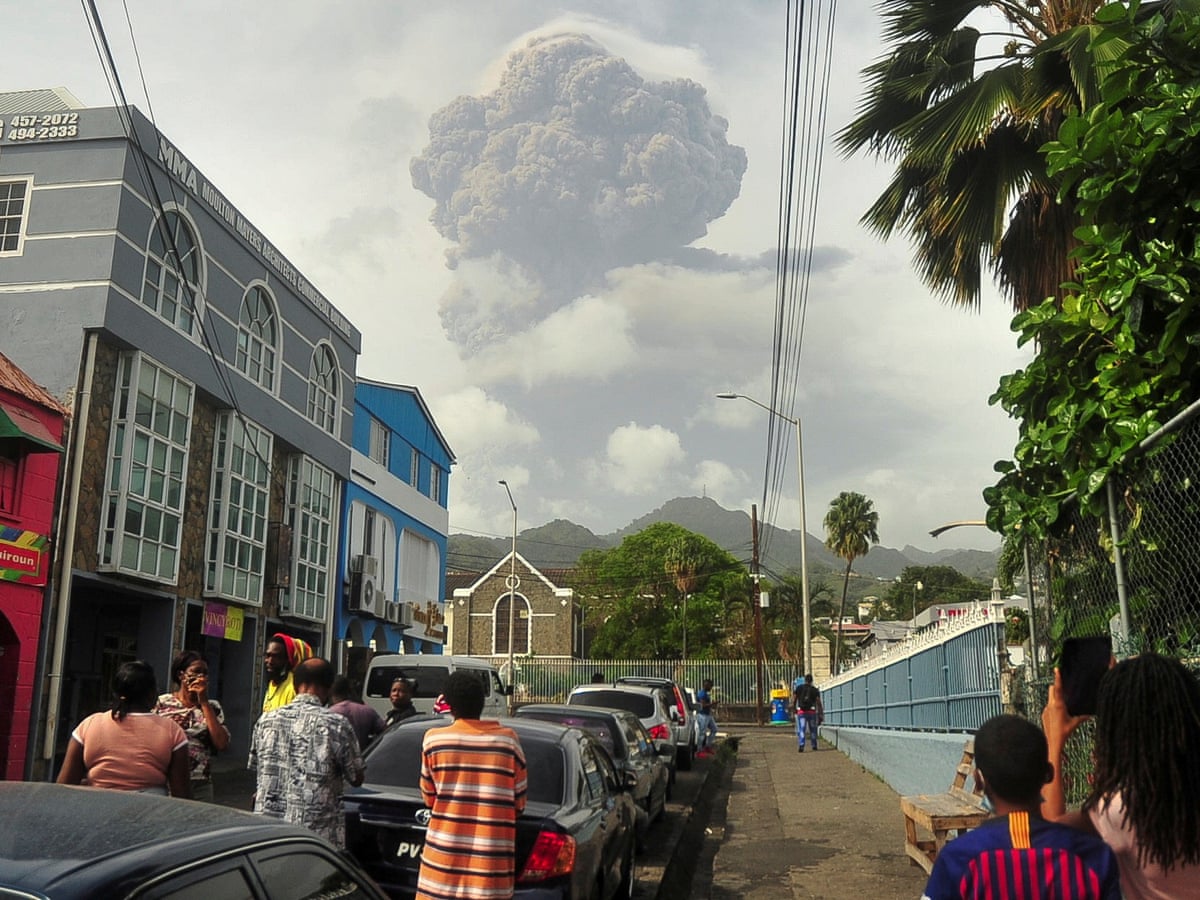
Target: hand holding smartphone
(1083, 663)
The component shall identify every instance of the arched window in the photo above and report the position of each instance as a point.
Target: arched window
(172, 280)
(521, 623)
(323, 388)
(257, 336)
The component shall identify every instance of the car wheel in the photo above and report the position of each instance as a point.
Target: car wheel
(683, 758)
(628, 877)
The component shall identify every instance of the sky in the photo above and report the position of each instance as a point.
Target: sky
(558, 221)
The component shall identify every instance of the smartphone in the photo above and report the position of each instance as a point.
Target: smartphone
(1084, 661)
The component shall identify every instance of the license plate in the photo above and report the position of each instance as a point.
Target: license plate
(409, 850)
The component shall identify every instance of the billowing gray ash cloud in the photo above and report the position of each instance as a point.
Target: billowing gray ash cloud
(573, 166)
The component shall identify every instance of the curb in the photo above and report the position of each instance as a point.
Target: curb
(677, 878)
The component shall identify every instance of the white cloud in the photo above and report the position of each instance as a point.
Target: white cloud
(638, 459)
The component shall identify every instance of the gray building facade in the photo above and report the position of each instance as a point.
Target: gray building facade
(211, 390)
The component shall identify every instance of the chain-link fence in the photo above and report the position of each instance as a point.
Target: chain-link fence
(1132, 572)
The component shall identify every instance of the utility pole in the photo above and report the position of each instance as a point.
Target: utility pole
(756, 599)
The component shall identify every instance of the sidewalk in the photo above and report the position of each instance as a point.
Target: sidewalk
(815, 826)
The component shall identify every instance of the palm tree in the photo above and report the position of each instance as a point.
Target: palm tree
(964, 126)
(849, 524)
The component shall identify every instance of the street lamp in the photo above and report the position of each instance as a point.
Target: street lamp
(512, 601)
(804, 610)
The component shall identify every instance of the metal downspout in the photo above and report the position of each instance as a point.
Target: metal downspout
(55, 674)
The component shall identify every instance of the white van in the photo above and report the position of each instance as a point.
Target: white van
(428, 674)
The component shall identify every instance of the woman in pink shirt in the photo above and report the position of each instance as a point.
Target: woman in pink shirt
(130, 748)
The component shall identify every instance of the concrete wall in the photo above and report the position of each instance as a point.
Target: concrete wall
(910, 762)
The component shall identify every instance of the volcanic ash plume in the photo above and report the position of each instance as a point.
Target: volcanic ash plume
(573, 166)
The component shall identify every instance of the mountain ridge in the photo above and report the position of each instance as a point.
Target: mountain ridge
(558, 544)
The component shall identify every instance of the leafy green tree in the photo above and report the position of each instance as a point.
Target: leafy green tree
(850, 523)
(635, 595)
(1118, 358)
(783, 621)
(920, 587)
(963, 125)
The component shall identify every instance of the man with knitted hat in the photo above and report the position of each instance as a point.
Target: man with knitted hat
(282, 655)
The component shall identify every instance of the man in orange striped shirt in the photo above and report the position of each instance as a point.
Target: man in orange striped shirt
(473, 779)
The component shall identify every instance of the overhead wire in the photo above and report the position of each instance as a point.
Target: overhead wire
(808, 40)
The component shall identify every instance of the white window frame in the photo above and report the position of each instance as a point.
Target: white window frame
(7, 216)
(160, 272)
(518, 599)
(311, 505)
(146, 481)
(257, 353)
(435, 483)
(324, 377)
(380, 442)
(239, 509)
(420, 569)
(414, 468)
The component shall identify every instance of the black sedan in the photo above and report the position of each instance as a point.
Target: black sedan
(76, 842)
(626, 741)
(575, 840)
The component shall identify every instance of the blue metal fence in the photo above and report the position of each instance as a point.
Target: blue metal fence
(944, 680)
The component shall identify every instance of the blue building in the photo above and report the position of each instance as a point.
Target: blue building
(394, 524)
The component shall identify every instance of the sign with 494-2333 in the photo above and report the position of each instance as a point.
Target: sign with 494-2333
(40, 127)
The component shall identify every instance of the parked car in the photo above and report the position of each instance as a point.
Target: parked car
(652, 706)
(683, 724)
(79, 842)
(694, 707)
(575, 840)
(622, 735)
(428, 674)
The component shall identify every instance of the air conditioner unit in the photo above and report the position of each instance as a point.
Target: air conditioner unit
(392, 612)
(364, 595)
(364, 565)
(404, 615)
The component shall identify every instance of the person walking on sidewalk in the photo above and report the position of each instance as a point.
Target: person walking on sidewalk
(708, 720)
(808, 709)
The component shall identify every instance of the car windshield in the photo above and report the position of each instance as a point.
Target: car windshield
(596, 727)
(395, 761)
(641, 705)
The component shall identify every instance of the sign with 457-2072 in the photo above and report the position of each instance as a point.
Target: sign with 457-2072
(33, 127)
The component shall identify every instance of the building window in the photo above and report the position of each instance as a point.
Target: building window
(237, 517)
(420, 569)
(144, 488)
(380, 439)
(414, 467)
(323, 388)
(10, 476)
(520, 625)
(435, 484)
(14, 197)
(172, 280)
(310, 514)
(256, 338)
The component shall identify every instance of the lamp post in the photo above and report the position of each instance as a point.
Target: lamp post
(512, 600)
(916, 587)
(804, 610)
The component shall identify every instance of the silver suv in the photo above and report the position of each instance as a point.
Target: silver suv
(654, 705)
(683, 716)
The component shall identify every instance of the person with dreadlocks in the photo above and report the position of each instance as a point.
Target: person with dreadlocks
(282, 655)
(1145, 794)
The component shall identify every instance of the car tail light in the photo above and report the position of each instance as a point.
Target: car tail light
(552, 855)
(660, 732)
(679, 703)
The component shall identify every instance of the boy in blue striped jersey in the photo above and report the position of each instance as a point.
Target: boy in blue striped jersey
(1018, 855)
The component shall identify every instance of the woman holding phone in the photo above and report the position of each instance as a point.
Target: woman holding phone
(1145, 792)
(201, 719)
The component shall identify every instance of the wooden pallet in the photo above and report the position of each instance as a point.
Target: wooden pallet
(943, 815)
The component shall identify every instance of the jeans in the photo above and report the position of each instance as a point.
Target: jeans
(708, 729)
(806, 724)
